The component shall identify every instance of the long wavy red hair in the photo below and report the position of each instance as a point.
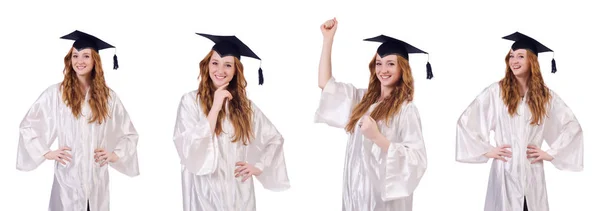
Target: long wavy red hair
(390, 106)
(240, 109)
(538, 95)
(73, 95)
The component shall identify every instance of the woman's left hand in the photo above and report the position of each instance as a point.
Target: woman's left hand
(246, 170)
(539, 155)
(368, 127)
(103, 157)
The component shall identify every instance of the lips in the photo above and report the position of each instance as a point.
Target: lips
(220, 77)
(385, 76)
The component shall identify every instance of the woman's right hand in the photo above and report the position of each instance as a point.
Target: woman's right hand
(500, 152)
(61, 155)
(328, 28)
(220, 95)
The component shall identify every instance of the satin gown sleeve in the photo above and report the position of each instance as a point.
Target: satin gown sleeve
(194, 139)
(266, 152)
(406, 157)
(336, 103)
(564, 135)
(122, 138)
(38, 130)
(473, 129)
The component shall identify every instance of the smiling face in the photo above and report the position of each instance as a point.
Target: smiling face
(221, 69)
(82, 61)
(387, 70)
(518, 63)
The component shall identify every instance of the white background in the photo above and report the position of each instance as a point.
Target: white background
(159, 54)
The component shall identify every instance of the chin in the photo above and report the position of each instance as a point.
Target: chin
(519, 73)
(83, 72)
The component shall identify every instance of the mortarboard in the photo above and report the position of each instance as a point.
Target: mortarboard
(525, 42)
(232, 46)
(390, 45)
(83, 41)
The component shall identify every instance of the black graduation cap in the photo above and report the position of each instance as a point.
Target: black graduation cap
(390, 45)
(232, 46)
(83, 41)
(525, 42)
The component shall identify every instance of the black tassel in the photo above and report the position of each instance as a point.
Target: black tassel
(261, 80)
(429, 72)
(115, 62)
(553, 66)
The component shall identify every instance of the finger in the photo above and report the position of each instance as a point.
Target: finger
(65, 148)
(223, 86)
(501, 158)
(245, 171)
(537, 160)
(229, 96)
(532, 147)
(506, 151)
(240, 163)
(505, 155)
(240, 169)
(246, 177)
(371, 119)
(103, 163)
(505, 146)
(68, 155)
(60, 161)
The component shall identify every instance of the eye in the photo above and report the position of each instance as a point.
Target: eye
(391, 64)
(87, 57)
(378, 63)
(521, 57)
(214, 63)
(74, 56)
(229, 65)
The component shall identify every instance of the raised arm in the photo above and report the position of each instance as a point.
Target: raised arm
(328, 29)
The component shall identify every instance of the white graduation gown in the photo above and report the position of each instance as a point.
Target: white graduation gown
(509, 182)
(82, 179)
(376, 180)
(208, 161)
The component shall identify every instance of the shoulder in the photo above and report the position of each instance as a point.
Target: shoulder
(51, 92)
(255, 109)
(53, 89)
(409, 108)
(489, 92)
(189, 97)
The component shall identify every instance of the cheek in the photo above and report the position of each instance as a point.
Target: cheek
(396, 72)
(230, 72)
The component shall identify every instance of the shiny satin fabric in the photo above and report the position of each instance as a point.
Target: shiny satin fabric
(509, 182)
(82, 179)
(208, 161)
(376, 180)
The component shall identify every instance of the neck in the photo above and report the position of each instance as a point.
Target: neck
(84, 81)
(522, 82)
(385, 92)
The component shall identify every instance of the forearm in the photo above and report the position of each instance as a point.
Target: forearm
(382, 142)
(212, 118)
(325, 63)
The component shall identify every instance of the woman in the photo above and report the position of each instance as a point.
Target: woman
(522, 112)
(223, 139)
(385, 154)
(92, 127)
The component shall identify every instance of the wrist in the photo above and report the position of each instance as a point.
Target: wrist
(382, 141)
